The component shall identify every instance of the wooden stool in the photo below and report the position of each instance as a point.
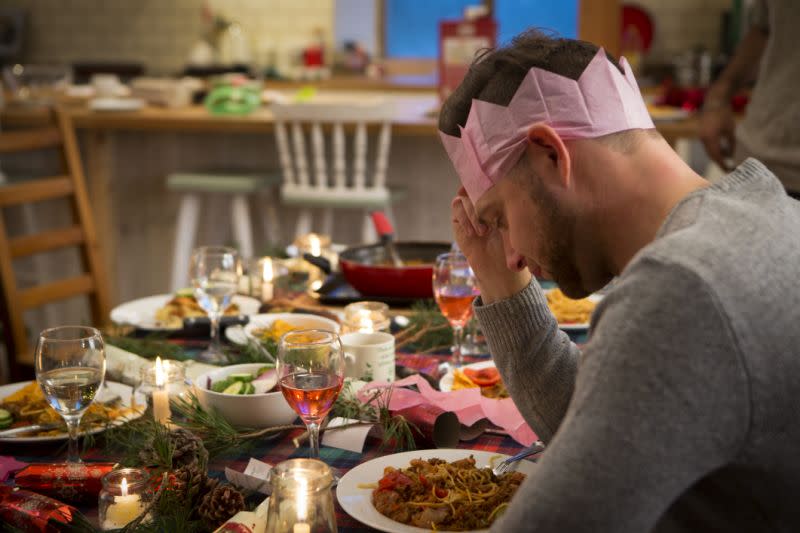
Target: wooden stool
(240, 187)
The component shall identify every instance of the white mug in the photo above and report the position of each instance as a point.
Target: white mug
(369, 356)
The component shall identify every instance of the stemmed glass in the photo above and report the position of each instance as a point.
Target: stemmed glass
(455, 286)
(70, 368)
(214, 271)
(311, 373)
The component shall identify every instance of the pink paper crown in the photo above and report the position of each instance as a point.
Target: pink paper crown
(600, 102)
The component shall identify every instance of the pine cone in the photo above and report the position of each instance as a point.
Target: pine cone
(187, 449)
(189, 481)
(220, 504)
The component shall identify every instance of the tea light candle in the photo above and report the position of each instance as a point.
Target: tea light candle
(124, 509)
(161, 411)
(366, 317)
(267, 278)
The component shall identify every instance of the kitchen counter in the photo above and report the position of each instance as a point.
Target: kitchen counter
(127, 155)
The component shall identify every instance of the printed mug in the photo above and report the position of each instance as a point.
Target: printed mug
(369, 356)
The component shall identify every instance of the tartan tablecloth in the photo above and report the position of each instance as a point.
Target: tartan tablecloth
(280, 448)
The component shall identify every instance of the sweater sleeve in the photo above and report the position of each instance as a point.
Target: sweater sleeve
(537, 361)
(660, 401)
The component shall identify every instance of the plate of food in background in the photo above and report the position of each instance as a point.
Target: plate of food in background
(171, 312)
(483, 375)
(267, 328)
(572, 315)
(23, 405)
(413, 492)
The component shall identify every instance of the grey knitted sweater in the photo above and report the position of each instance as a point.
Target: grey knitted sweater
(682, 413)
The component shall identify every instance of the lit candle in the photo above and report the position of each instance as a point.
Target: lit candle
(365, 324)
(302, 507)
(125, 509)
(314, 244)
(160, 397)
(267, 276)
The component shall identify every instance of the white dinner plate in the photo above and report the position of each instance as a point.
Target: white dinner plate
(142, 312)
(446, 382)
(241, 334)
(577, 326)
(357, 502)
(124, 392)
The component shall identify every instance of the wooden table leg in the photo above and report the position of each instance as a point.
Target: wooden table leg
(99, 168)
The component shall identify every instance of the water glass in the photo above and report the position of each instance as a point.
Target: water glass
(214, 271)
(70, 366)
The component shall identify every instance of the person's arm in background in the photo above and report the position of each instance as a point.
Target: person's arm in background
(716, 121)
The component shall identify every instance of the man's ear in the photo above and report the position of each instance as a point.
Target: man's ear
(549, 155)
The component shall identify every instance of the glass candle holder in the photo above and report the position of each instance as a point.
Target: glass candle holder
(366, 317)
(124, 496)
(160, 383)
(301, 499)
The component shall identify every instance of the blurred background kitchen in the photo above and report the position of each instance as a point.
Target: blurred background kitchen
(172, 105)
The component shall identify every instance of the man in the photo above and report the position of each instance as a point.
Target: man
(770, 130)
(680, 414)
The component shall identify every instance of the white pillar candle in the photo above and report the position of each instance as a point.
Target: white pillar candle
(161, 411)
(267, 277)
(125, 509)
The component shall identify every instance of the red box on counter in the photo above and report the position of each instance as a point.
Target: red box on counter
(459, 41)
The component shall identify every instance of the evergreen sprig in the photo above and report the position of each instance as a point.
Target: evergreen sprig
(427, 331)
(397, 432)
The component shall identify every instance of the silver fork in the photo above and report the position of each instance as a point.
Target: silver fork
(510, 464)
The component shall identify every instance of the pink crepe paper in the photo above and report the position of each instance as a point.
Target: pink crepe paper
(468, 405)
(602, 101)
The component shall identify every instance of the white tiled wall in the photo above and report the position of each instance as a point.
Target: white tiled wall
(682, 24)
(158, 33)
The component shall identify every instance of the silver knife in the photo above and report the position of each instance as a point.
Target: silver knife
(28, 429)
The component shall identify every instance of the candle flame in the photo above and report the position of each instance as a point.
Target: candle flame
(365, 324)
(267, 271)
(124, 486)
(161, 378)
(314, 244)
(302, 498)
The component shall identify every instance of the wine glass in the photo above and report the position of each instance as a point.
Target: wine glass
(311, 373)
(214, 271)
(70, 368)
(455, 286)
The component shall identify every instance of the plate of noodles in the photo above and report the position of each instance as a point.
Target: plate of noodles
(28, 406)
(165, 312)
(416, 492)
(483, 375)
(572, 315)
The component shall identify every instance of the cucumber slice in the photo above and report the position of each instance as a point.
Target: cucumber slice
(235, 388)
(221, 385)
(249, 388)
(241, 377)
(4, 414)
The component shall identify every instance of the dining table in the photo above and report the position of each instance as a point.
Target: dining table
(274, 450)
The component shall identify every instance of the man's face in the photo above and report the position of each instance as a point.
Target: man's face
(538, 233)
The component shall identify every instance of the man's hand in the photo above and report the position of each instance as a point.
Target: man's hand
(717, 133)
(483, 248)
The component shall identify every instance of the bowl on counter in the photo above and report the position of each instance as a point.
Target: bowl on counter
(243, 410)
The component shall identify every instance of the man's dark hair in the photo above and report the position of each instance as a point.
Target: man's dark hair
(496, 74)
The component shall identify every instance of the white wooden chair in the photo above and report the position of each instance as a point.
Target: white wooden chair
(361, 184)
